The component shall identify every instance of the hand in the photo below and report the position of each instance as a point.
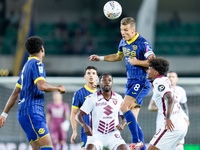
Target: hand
(120, 127)
(2, 121)
(61, 89)
(94, 58)
(133, 61)
(169, 125)
(87, 130)
(73, 137)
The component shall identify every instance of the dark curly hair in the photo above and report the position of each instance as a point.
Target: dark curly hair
(104, 74)
(159, 64)
(34, 44)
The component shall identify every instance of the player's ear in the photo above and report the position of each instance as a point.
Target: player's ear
(156, 73)
(42, 49)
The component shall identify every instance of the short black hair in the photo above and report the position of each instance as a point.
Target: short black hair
(159, 64)
(103, 74)
(34, 44)
(90, 67)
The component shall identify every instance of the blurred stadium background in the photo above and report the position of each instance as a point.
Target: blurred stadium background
(72, 30)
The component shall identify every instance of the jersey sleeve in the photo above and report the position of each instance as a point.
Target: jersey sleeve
(147, 50)
(76, 101)
(38, 71)
(18, 84)
(88, 105)
(160, 89)
(183, 98)
(120, 46)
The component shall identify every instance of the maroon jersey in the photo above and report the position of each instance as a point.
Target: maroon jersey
(57, 115)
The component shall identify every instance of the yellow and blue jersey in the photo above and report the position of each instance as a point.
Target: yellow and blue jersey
(137, 47)
(78, 100)
(31, 99)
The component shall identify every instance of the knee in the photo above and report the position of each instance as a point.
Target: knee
(123, 108)
(122, 147)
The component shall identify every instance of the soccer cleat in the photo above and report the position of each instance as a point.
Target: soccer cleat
(136, 146)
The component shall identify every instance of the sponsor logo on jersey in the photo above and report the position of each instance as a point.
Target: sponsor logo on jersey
(108, 110)
(101, 104)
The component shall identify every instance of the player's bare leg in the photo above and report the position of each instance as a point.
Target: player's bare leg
(35, 145)
(43, 142)
(62, 144)
(91, 147)
(135, 110)
(131, 110)
(55, 143)
(127, 104)
(151, 147)
(122, 147)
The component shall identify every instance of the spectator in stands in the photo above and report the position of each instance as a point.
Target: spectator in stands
(83, 26)
(57, 116)
(14, 19)
(175, 20)
(78, 42)
(90, 47)
(61, 30)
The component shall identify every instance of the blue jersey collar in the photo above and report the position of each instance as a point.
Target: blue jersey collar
(90, 90)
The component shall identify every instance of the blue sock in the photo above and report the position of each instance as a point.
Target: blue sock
(141, 136)
(130, 119)
(46, 148)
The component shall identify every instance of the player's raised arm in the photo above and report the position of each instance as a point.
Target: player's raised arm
(11, 102)
(46, 87)
(110, 58)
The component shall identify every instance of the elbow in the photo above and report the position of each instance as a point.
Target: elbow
(76, 118)
(41, 88)
(150, 109)
(41, 85)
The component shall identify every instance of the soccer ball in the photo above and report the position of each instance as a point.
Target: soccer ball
(112, 10)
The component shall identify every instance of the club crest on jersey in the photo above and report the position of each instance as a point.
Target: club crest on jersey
(135, 47)
(114, 101)
(41, 131)
(40, 69)
(161, 88)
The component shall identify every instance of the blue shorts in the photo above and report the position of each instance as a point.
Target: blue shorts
(83, 140)
(34, 126)
(137, 89)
